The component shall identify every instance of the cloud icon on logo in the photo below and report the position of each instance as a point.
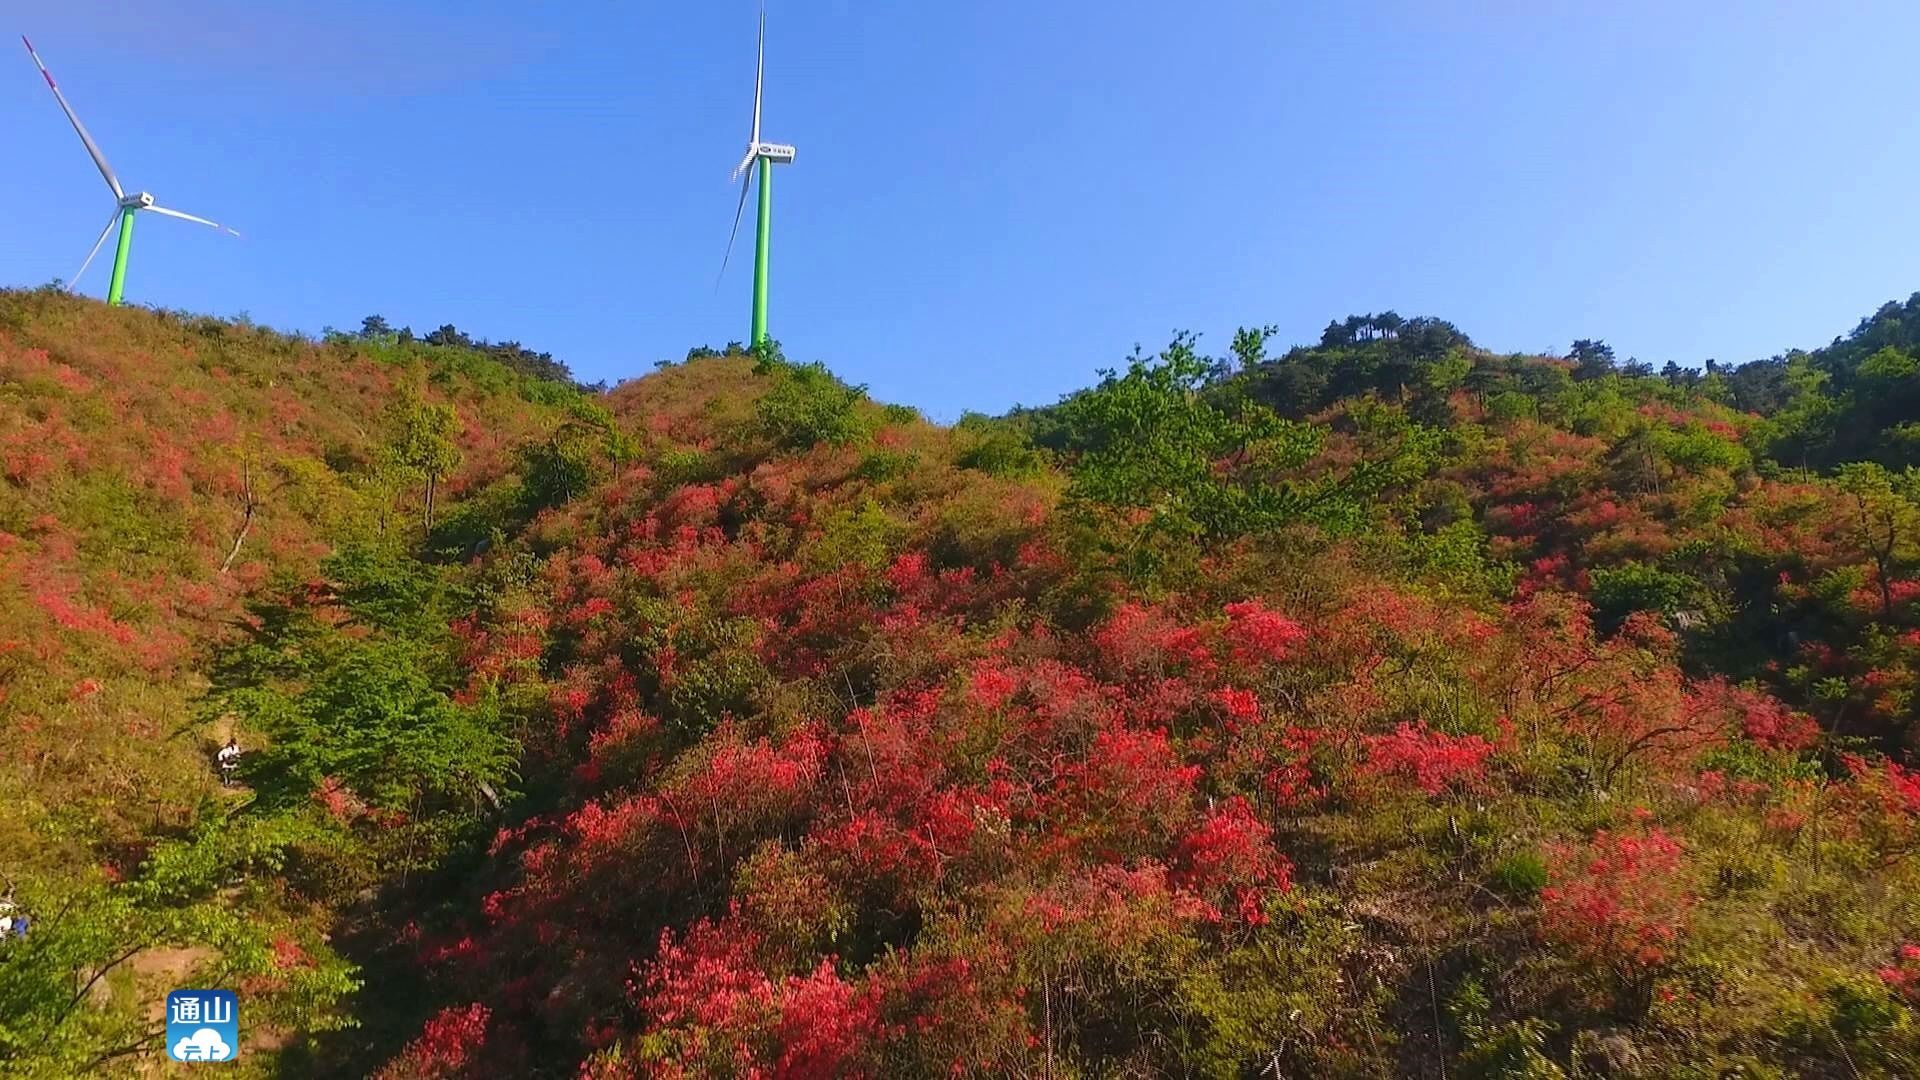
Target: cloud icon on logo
(203, 1045)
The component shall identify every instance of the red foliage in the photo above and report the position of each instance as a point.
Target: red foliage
(1620, 899)
(1140, 640)
(1903, 975)
(451, 1045)
(1430, 760)
(708, 989)
(1240, 706)
(1257, 634)
(1232, 850)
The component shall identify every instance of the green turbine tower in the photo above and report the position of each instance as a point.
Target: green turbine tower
(124, 205)
(762, 156)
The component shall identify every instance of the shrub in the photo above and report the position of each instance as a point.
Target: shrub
(807, 406)
(1522, 874)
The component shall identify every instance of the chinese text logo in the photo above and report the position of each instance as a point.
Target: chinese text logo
(203, 1025)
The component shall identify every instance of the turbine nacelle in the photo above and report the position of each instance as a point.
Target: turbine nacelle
(777, 153)
(139, 200)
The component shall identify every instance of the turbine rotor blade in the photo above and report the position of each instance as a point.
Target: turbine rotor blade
(759, 76)
(189, 217)
(93, 148)
(74, 285)
(738, 213)
(746, 162)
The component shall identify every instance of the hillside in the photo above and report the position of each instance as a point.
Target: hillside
(1385, 707)
(159, 470)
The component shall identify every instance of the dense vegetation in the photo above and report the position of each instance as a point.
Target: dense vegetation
(1388, 706)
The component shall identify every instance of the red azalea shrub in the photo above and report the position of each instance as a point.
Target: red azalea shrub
(1429, 760)
(452, 1044)
(1231, 852)
(1882, 800)
(1258, 635)
(707, 996)
(1241, 707)
(1139, 639)
(1902, 976)
(1620, 900)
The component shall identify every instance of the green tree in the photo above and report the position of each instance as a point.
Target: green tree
(1250, 345)
(1885, 519)
(423, 445)
(564, 465)
(1163, 459)
(1591, 359)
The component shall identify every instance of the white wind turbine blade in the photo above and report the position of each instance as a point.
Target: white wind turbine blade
(759, 74)
(759, 81)
(190, 217)
(93, 149)
(745, 168)
(738, 213)
(74, 285)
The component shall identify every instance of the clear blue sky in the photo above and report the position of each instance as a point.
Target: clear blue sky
(992, 198)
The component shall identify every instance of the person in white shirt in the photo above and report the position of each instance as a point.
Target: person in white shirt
(13, 920)
(228, 759)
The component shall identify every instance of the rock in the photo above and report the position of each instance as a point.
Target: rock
(1607, 1053)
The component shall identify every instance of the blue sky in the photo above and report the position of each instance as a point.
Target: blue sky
(993, 198)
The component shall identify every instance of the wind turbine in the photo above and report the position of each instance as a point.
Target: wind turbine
(125, 205)
(765, 156)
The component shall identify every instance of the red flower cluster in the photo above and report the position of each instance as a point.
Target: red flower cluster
(1261, 635)
(1620, 899)
(451, 1043)
(1430, 760)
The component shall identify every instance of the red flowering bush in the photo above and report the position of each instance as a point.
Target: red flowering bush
(1231, 853)
(453, 1044)
(1902, 976)
(1620, 900)
(1429, 760)
(1259, 635)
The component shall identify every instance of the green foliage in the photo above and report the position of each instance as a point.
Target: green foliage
(880, 466)
(1522, 874)
(1889, 365)
(384, 587)
(1635, 586)
(424, 445)
(374, 722)
(724, 677)
(206, 896)
(1514, 1050)
(807, 406)
(868, 536)
(1250, 345)
(996, 448)
(1201, 466)
(578, 453)
(1456, 554)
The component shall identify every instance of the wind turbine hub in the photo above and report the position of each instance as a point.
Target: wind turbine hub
(138, 200)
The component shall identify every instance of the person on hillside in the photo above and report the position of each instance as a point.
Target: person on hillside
(13, 918)
(228, 759)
